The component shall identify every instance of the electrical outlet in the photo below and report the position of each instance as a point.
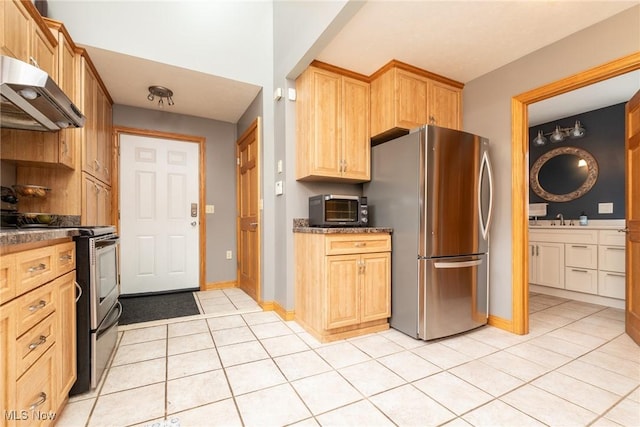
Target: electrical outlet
(209, 209)
(229, 255)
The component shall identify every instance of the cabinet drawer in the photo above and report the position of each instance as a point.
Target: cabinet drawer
(7, 277)
(582, 256)
(611, 285)
(611, 258)
(65, 258)
(34, 343)
(35, 390)
(34, 267)
(581, 280)
(357, 244)
(35, 306)
(612, 237)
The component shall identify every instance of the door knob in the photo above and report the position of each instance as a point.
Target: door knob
(193, 223)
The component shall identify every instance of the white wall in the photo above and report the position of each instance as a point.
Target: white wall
(487, 112)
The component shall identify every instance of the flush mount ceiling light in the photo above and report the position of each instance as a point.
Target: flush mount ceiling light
(559, 134)
(161, 92)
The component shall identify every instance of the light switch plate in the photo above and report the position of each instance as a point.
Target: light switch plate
(279, 188)
(605, 208)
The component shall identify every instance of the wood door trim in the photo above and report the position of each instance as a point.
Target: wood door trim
(520, 167)
(202, 184)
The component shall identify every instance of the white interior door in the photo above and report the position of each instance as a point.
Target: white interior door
(158, 224)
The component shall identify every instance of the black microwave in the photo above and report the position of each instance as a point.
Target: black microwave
(331, 210)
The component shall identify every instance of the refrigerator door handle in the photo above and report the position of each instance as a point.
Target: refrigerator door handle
(485, 164)
(460, 264)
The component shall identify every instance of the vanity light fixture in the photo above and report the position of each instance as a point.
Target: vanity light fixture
(559, 134)
(161, 92)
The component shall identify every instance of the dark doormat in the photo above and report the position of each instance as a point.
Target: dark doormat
(137, 309)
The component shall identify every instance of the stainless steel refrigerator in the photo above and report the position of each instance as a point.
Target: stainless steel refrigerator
(433, 186)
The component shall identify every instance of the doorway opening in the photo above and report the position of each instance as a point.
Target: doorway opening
(520, 169)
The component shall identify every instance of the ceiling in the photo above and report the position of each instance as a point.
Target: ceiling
(445, 37)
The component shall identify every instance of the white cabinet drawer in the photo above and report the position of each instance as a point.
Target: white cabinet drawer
(581, 280)
(611, 258)
(611, 285)
(611, 237)
(582, 256)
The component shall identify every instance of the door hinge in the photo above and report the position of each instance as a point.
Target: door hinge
(238, 161)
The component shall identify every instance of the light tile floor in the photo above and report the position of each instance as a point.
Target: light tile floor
(575, 368)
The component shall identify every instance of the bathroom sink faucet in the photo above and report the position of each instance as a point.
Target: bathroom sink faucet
(561, 218)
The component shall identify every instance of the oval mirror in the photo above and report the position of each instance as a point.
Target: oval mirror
(563, 174)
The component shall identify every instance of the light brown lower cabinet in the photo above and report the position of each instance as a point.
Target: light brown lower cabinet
(343, 283)
(38, 334)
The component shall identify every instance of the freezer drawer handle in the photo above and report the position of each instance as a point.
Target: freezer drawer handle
(457, 264)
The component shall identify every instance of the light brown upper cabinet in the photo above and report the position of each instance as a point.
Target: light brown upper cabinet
(97, 143)
(332, 110)
(26, 39)
(404, 97)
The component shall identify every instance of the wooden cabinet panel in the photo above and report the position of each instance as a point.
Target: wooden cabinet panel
(38, 341)
(376, 290)
(356, 146)
(34, 306)
(34, 268)
(410, 100)
(16, 30)
(444, 106)
(8, 267)
(35, 390)
(404, 97)
(581, 256)
(332, 127)
(96, 202)
(65, 258)
(7, 356)
(548, 264)
(343, 291)
(44, 52)
(32, 344)
(339, 296)
(611, 285)
(581, 280)
(66, 333)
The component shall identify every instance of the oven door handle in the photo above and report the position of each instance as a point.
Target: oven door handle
(105, 243)
(107, 323)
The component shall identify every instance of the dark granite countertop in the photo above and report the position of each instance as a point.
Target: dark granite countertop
(301, 225)
(29, 235)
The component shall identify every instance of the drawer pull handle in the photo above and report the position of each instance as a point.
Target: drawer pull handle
(42, 397)
(66, 257)
(614, 249)
(40, 341)
(360, 244)
(38, 267)
(576, 246)
(615, 275)
(579, 271)
(38, 306)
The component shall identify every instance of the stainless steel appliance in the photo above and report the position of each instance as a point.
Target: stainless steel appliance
(433, 186)
(98, 309)
(31, 100)
(332, 210)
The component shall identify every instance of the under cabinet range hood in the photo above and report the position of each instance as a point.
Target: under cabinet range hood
(31, 100)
